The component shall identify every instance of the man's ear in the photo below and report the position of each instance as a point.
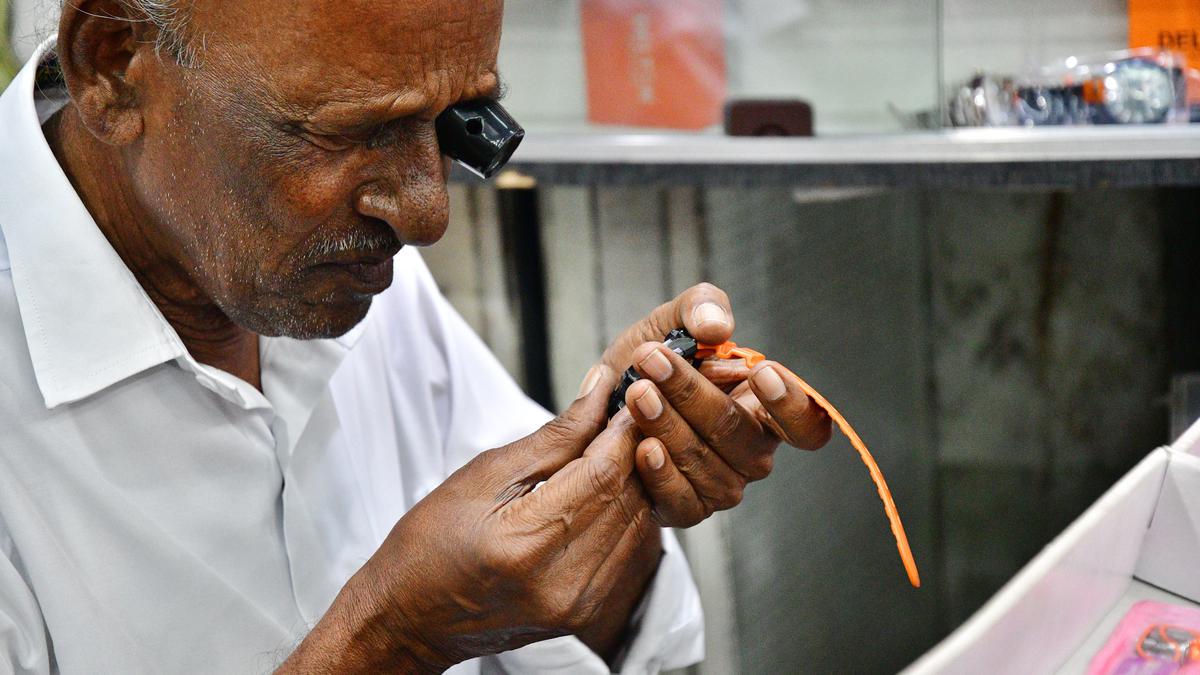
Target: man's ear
(101, 47)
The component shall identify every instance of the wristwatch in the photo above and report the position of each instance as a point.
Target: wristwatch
(1134, 87)
(1135, 91)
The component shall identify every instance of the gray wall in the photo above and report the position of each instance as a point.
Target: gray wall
(1000, 352)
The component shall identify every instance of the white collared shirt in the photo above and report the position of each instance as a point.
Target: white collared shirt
(161, 516)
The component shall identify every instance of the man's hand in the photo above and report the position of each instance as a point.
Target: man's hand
(485, 563)
(703, 310)
(711, 431)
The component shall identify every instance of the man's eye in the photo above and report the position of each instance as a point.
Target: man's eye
(330, 143)
(325, 141)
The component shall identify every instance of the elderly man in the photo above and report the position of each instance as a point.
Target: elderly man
(241, 429)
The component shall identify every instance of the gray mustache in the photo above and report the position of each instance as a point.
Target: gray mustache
(356, 241)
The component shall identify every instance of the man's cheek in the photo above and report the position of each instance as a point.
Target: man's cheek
(311, 194)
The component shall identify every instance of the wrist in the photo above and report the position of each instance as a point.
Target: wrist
(361, 633)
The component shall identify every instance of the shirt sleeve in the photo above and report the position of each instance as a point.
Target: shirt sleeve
(669, 625)
(23, 648)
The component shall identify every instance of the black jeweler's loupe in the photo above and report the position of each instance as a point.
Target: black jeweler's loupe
(480, 135)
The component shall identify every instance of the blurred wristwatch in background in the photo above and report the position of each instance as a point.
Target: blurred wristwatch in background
(1139, 86)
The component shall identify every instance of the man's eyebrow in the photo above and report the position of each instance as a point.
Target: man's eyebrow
(339, 110)
(500, 89)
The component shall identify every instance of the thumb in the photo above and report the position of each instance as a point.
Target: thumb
(704, 310)
(565, 437)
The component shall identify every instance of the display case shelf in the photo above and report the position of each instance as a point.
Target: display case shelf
(1063, 158)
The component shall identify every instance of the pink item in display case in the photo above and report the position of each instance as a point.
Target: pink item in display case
(1154, 638)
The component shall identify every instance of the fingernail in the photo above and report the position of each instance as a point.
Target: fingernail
(656, 366)
(590, 381)
(655, 458)
(769, 384)
(650, 405)
(710, 312)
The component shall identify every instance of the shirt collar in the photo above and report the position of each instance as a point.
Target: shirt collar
(88, 323)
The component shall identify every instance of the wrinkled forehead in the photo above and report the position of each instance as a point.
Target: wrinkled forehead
(313, 52)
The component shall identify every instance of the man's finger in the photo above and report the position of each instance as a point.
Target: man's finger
(717, 419)
(787, 409)
(718, 484)
(726, 374)
(704, 310)
(565, 438)
(676, 503)
(572, 498)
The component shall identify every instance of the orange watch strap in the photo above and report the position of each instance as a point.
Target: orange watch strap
(731, 350)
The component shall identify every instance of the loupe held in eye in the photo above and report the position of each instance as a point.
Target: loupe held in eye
(480, 135)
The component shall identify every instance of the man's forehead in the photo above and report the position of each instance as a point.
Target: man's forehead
(359, 53)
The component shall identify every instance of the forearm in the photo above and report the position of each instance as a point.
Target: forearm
(611, 628)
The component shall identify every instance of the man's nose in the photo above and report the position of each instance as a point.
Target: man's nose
(416, 207)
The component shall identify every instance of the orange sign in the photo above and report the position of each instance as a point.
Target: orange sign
(1168, 24)
(654, 63)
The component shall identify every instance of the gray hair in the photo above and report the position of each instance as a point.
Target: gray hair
(171, 20)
